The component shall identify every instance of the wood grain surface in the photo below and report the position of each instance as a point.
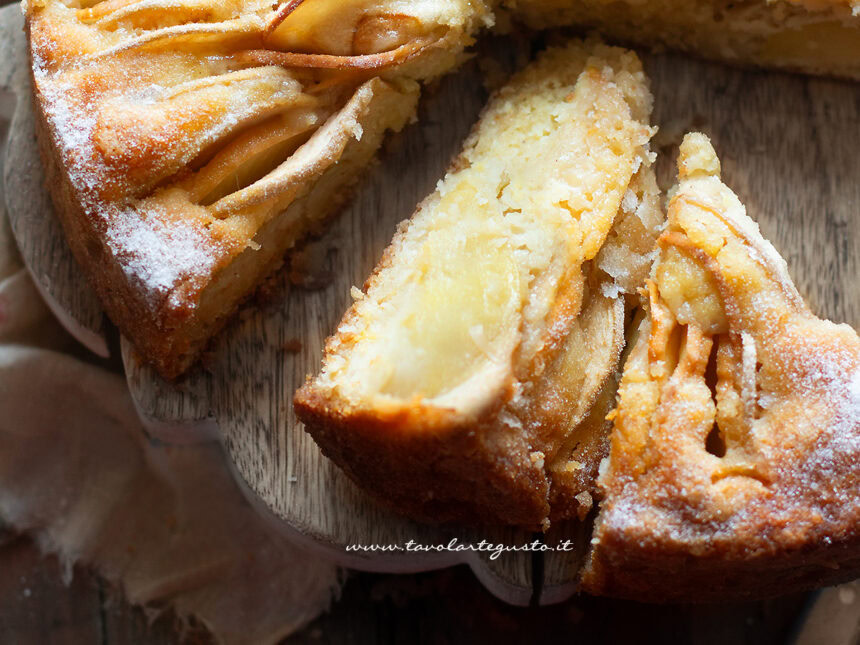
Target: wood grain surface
(787, 144)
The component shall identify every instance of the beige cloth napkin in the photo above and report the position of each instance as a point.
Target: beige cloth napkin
(166, 524)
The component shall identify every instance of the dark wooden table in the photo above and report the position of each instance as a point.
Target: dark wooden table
(449, 606)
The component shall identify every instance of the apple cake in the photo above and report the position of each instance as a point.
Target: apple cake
(494, 319)
(187, 145)
(813, 36)
(733, 468)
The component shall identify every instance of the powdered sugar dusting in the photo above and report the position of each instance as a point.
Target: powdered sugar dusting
(74, 124)
(157, 252)
(156, 255)
(854, 392)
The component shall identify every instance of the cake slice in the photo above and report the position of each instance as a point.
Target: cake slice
(188, 144)
(491, 325)
(733, 468)
(813, 36)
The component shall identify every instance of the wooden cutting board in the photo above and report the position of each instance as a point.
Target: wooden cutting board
(789, 149)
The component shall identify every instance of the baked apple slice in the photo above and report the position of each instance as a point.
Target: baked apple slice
(733, 468)
(583, 375)
(451, 383)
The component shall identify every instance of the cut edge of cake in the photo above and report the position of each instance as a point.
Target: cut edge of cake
(387, 408)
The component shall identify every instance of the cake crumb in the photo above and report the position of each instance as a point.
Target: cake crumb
(585, 502)
(292, 346)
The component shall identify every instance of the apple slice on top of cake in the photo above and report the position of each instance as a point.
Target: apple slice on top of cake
(494, 319)
(733, 468)
(189, 144)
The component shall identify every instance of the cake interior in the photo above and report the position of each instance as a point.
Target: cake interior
(466, 297)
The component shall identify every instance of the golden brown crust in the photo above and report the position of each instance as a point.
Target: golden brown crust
(650, 573)
(471, 470)
(733, 466)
